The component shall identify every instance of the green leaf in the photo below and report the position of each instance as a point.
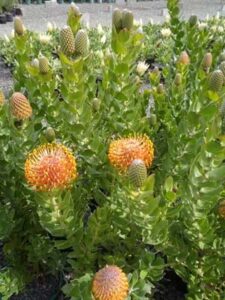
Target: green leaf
(217, 174)
(169, 184)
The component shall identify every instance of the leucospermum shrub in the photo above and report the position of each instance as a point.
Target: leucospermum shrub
(59, 141)
(113, 170)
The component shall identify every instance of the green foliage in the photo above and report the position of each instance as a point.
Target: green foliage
(10, 283)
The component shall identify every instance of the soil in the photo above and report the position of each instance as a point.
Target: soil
(171, 287)
(43, 288)
(2, 260)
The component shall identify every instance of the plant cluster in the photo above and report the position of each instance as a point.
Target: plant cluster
(113, 169)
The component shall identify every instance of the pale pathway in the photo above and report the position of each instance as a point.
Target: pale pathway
(36, 16)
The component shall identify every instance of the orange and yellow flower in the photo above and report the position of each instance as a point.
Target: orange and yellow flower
(110, 283)
(49, 167)
(123, 151)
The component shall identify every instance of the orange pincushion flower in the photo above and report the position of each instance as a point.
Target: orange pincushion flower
(110, 283)
(20, 107)
(123, 151)
(50, 166)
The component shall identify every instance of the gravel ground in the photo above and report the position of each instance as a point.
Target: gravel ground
(37, 16)
(6, 83)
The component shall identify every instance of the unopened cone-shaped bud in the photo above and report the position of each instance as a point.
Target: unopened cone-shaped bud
(127, 19)
(117, 19)
(96, 103)
(221, 209)
(20, 106)
(50, 27)
(160, 89)
(207, 61)
(110, 283)
(193, 20)
(67, 41)
(222, 67)
(137, 173)
(2, 98)
(81, 42)
(178, 79)
(43, 65)
(216, 81)
(50, 134)
(184, 58)
(18, 26)
(75, 9)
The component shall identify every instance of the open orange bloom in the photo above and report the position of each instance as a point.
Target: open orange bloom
(123, 151)
(110, 283)
(50, 166)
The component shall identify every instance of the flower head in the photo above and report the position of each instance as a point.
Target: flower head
(166, 32)
(202, 25)
(220, 29)
(44, 38)
(217, 17)
(167, 18)
(123, 151)
(12, 35)
(50, 27)
(103, 39)
(110, 283)
(214, 28)
(142, 67)
(50, 166)
(100, 29)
